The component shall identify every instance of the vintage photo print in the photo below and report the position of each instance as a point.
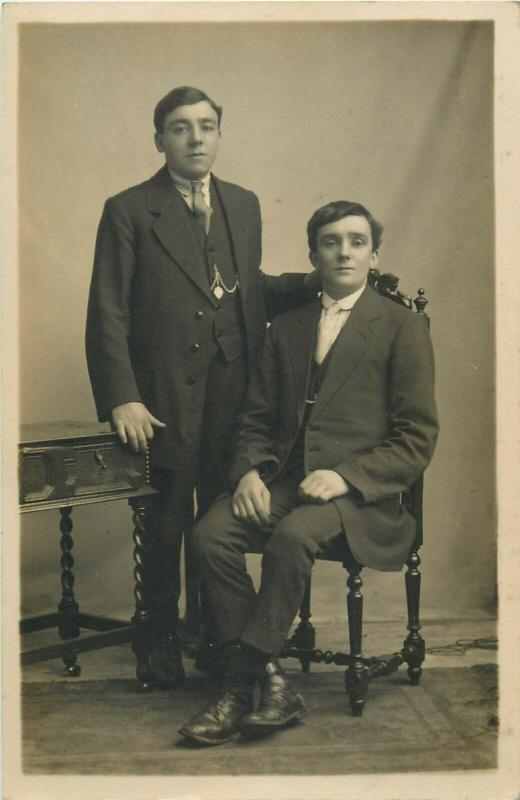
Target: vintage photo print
(409, 109)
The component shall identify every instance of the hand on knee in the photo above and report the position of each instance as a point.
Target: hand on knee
(252, 500)
(322, 485)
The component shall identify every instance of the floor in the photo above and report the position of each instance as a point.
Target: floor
(447, 724)
(380, 636)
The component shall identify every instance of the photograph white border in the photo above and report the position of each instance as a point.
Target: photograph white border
(500, 784)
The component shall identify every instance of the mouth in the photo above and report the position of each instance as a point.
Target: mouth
(196, 155)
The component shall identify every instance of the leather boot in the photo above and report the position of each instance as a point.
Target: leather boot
(218, 723)
(279, 705)
(165, 662)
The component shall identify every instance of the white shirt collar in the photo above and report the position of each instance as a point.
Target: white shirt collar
(344, 303)
(184, 185)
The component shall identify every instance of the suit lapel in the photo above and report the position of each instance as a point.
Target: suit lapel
(350, 345)
(234, 213)
(302, 340)
(172, 228)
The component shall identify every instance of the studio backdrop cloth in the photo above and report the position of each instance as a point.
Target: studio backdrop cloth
(397, 115)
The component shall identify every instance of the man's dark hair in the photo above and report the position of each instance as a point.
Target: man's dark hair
(181, 96)
(332, 212)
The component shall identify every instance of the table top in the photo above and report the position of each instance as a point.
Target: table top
(42, 432)
(62, 435)
(101, 497)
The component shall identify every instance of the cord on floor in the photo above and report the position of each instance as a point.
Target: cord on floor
(461, 646)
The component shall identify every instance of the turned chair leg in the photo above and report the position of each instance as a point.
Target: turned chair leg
(356, 676)
(306, 629)
(414, 645)
(304, 637)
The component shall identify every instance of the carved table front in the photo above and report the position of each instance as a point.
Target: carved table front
(68, 464)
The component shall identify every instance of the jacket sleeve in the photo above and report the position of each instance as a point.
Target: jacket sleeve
(394, 465)
(108, 315)
(255, 442)
(282, 292)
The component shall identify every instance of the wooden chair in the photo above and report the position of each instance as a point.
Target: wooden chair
(361, 670)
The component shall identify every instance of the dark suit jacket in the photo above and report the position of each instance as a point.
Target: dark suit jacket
(374, 421)
(150, 313)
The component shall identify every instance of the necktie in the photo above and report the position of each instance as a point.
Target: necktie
(328, 329)
(200, 208)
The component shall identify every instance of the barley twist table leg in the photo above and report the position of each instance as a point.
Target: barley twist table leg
(68, 609)
(142, 641)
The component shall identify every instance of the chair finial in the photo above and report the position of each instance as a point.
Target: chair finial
(420, 302)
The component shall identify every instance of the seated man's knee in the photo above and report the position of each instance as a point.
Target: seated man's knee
(289, 541)
(209, 533)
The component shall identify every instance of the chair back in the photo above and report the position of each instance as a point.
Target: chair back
(386, 285)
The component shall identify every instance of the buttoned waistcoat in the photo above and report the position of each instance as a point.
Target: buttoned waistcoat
(151, 315)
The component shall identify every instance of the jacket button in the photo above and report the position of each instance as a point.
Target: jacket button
(190, 381)
(199, 314)
(195, 348)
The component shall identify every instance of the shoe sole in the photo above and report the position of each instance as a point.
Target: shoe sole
(258, 728)
(203, 739)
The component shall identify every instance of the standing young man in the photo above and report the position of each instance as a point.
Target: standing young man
(340, 418)
(177, 310)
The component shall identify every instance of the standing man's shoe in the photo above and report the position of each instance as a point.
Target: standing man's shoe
(280, 705)
(221, 720)
(165, 662)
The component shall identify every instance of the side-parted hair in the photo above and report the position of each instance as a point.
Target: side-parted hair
(332, 212)
(181, 96)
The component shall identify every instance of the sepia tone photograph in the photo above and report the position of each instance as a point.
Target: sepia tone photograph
(255, 454)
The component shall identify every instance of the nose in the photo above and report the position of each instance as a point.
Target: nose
(344, 250)
(196, 135)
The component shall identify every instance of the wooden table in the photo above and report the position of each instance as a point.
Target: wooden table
(67, 464)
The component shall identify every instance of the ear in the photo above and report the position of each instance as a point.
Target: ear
(313, 259)
(374, 258)
(158, 142)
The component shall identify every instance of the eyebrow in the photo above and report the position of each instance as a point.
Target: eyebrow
(352, 234)
(190, 121)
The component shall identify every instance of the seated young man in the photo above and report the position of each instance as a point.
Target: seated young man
(339, 419)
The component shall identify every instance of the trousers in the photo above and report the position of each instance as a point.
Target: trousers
(173, 513)
(299, 531)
